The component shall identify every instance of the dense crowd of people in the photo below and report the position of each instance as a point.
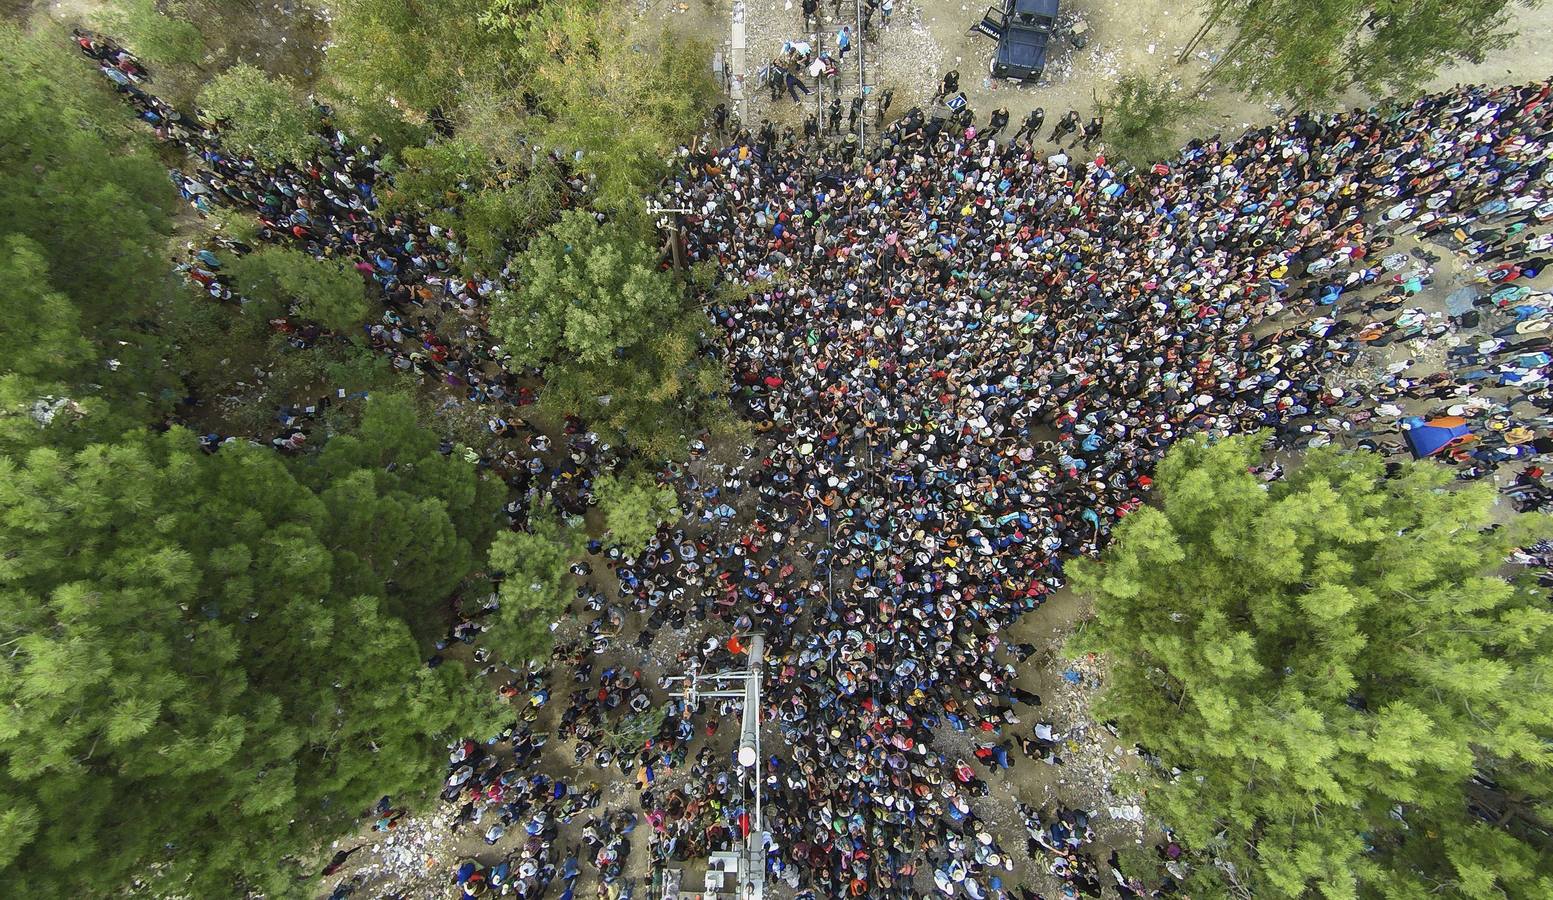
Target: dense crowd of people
(969, 356)
(964, 359)
(433, 315)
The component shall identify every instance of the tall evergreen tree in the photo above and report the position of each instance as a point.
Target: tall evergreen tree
(1310, 51)
(85, 212)
(401, 518)
(623, 105)
(633, 507)
(1355, 693)
(262, 115)
(491, 205)
(207, 657)
(427, 57)
(160, 36)
(617, 338)
(327, 291)
(535, 582)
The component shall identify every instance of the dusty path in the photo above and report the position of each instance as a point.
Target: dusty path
(927, 38)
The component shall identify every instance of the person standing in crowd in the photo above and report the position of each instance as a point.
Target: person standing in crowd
(1031, 126)
(1092, 131)
(843, 44)
(1065, 126)
(996, 122)
(886, 97)
(948, 86)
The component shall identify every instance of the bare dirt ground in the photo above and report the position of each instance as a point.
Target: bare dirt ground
(927, 38)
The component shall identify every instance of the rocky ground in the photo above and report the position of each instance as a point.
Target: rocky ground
(927, 38)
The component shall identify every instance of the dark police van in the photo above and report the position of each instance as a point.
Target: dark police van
(1022, 28)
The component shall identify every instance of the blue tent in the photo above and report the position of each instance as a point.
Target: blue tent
(1429, 438)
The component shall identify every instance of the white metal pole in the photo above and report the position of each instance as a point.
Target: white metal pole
(754, 875)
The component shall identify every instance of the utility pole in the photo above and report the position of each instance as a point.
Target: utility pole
(668, 220)
(749, 860)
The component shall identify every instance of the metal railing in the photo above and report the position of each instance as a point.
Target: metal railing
(862, 83)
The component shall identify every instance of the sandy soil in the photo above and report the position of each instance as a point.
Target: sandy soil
(929, 37)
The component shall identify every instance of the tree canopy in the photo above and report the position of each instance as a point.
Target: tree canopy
(85, 211)
(623, 105)
(585, 291)
(79, 180)
(209, 655)
(1310, 51)
(423, 57)
(400, 513)
(634, 507)
(158, 35)
(615, 336)
(262, 114)
(489, 205)
(327, 291)
(533, 568)
(1355, 694)
(1140, 114)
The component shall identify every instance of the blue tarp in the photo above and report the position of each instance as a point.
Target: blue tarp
(1427, 440)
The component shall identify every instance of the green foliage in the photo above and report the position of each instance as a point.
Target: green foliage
(631, 733)
(40, 326)
(79, 180)
(438, 176)
(489, 206)
(262, 115)
(633, 507)
(1331, 658)
(368, 119)
(494, 219)
(511, 75)
(421, 56)
(159, 36)
(84, 213)
(1311, 51)
(585, 291)
(196, 666)
(616, 337)
(535, 590)
(1140, 114)
(1411, 40)
(400, 514)
(625, 104)
(327, 291)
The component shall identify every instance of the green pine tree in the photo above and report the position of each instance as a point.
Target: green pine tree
(262, 115)
(617, 338)
(1340, 669)
(633, 508)
(1311, 51)
(280, 279)
(206, 655)
(533, 568)
(85, 214)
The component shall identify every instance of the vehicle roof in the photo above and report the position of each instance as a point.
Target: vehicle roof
(1036, 7)
(1025, 49)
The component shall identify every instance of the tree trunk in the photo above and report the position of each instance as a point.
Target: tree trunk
(1209, 22)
